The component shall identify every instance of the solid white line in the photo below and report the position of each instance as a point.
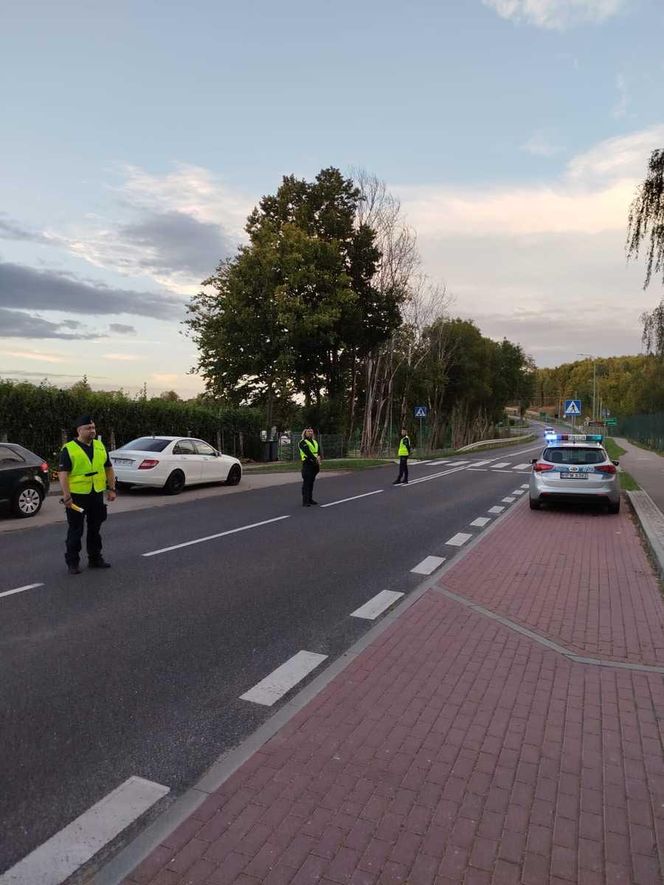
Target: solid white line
(428, 565)
(354, 498)
(242, 528)
(478, 469)
(20, 589)
(501, 464)
(458, 540)
(64, 853)
(376, 606)
(495, 509)
(269, 690)
(414, 482)
(508, 500)
(481, 521)
(520, 466)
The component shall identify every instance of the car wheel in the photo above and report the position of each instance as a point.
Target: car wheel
(234, 476)
(27, 501)
(175, 483)
(614, 508)
(534, 505)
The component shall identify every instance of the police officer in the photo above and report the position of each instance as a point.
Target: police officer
(404, 454)
(85, 472)
(309, 454)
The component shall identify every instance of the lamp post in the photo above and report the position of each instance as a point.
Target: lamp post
(591, 357)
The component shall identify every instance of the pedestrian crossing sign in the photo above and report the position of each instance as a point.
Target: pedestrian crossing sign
(572, 406)
(421, 411)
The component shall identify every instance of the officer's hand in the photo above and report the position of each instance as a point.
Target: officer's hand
(111, 494)
(68, 502)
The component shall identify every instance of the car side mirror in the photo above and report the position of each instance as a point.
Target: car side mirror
(615, 463)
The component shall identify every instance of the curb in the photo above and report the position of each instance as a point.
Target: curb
(127, 858)
(651, 521)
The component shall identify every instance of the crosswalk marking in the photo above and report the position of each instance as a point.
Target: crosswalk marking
(521, 466)
(481, 463)
(501, 464)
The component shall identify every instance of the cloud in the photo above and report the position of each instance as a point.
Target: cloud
(12, 230)
(25, 287)
(18, 324)
(122, 329)
(35, 355)
(539, 145)
(556, 14)
(122, 357)
(22, 373)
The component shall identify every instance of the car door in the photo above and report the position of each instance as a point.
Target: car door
(12, 469)
(212, 468)
(187, 459)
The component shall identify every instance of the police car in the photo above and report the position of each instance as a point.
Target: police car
(575, 467)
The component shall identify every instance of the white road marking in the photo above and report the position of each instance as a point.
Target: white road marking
(517, 492)
(20, 589)
(481, 521)
(64, 853)
(414, 482)
(242, 528)
(482, 463)
(459, 539)
(269, 690)
(478, 469)
(521, 466)
(525, 485)
(376, 606)
(495, 509)
(500, 464)
(508, 500)
(428, 565)
(354, 498)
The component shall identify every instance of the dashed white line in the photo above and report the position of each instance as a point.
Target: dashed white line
(354, 498)
(242, 528)
(20, 589)
(517, 492)
(428, 565)
(478, 469)
(501, 464)
(459, 539)
(495, 509)
(269, 690)
(525, 485)
(508, 500)
(481, 521)
(376, 606)
(68, 850)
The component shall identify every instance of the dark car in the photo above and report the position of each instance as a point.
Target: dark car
(24, 479)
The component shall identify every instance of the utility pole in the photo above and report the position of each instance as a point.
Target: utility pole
(591, 357)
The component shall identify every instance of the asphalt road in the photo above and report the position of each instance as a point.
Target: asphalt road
(138, 670)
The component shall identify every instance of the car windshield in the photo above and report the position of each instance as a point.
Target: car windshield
(574, 455)
(146, 444)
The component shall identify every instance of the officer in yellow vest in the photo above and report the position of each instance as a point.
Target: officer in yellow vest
(310, 457)
(404, 454)
(85, 473)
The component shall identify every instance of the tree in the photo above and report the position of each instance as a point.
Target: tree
(646, 215)
(171, 396)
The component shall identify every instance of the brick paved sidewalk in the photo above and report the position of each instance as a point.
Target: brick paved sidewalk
(456, 749)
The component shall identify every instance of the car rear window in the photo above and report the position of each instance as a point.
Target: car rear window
(146, 444)
(574, 455)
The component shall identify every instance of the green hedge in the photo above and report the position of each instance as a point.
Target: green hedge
(39, 416)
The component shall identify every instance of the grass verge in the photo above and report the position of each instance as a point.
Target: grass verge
(614, 451)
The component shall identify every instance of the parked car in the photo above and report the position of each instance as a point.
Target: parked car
(171, 463)
(575, 467)
(24, 479)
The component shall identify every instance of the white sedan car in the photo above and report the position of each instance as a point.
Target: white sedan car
(171, 463)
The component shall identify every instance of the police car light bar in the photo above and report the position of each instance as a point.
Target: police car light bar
(578, 437)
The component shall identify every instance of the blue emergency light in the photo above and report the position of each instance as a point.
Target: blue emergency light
(577, 437)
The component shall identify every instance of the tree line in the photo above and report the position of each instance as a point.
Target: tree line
(324, 314)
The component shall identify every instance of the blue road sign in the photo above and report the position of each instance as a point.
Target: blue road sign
(572, 406)
(421, 411)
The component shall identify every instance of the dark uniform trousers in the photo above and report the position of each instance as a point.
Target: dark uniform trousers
(403, 468)
(309, 474)
(95, 515)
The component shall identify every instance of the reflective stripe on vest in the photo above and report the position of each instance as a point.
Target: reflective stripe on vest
(403, 448)
(313, 446)
(84, 476)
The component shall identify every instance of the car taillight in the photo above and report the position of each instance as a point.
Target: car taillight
(541, 467)
(606, 468)
(43, 467)
(148, 463)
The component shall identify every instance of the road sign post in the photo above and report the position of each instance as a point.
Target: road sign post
(420, 412)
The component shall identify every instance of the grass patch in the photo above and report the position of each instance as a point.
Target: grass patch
(614, 451)
(627, 482)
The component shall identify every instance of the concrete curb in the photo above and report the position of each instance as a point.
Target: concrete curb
(651, 521)
(115, 870)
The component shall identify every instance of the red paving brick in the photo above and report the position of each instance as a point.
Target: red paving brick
(456, 750)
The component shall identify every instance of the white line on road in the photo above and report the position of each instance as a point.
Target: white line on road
(414, 482)
(481, 521)
(478, 469)
(459, 539)
(500, 471)
(269, 690)
(428, 565)
(508, 500)
(63, 854)
(242, 528)
(20, 589)
(501, 464)
(482, 463)
(521, 466)
(517, 492)
(354, 498)
(376, 606)
(525, 485)
(495, 509)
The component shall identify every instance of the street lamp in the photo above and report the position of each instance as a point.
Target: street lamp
(591, 357)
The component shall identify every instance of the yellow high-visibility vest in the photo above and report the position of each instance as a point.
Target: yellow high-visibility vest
(313, 446)
(85, 476)
(403, 448)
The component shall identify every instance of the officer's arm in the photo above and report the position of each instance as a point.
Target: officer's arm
(63, 475)
(110, 478)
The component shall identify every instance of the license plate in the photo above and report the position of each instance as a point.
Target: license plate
(122, 462)
(566, 475)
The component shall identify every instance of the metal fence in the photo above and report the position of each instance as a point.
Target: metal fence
(645, 429)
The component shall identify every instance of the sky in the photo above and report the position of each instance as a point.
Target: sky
(135, 137)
